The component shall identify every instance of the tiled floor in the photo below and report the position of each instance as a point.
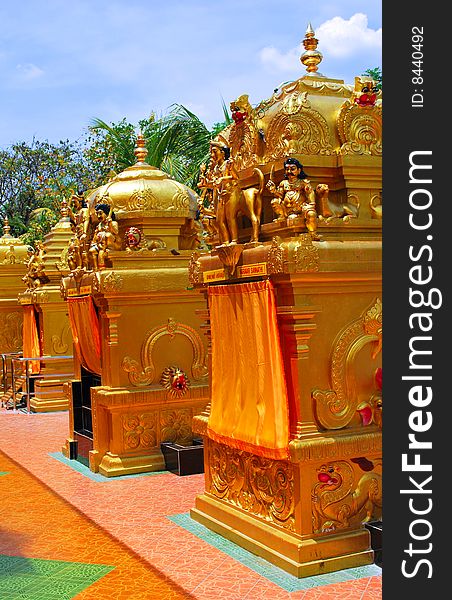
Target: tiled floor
(135, 529)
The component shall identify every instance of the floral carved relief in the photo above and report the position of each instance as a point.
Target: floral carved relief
(176, 426)
(140, 431)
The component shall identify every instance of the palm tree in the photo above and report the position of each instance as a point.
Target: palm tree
(177, 143)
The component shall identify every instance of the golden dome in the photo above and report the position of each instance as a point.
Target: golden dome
(12, 250)
(144, 191)
(313, 116)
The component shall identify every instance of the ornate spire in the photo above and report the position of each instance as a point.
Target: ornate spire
(6, 227)
(312, 57)
(140, 149)
(64, 210)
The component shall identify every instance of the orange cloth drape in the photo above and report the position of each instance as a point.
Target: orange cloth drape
(249, 407)
(85, 332)
(31, 346)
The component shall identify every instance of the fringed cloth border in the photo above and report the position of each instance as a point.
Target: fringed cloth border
(272, 453)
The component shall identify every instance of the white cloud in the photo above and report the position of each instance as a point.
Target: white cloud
(340, 38)
(29, 71)
(280, 61)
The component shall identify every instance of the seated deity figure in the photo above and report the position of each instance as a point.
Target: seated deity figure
(105, 237)
(294, 197)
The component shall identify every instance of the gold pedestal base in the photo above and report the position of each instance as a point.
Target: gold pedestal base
(301, 557)
(49, 396)
(113, 465)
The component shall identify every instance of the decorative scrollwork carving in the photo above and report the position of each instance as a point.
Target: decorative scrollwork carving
(112, 282)
(137, 376)
(144, 375)
(305, 132)
(360, 129)
(194, 268)
(60, 344)
(11, 331)
(180, 200)
(277, 255)
(306, 255)
(335, 408)
(142, 199)
(262, 487)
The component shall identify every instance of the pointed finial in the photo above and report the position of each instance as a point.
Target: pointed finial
(64, 210)
(312, 57)
(140, 149)
(6, 227)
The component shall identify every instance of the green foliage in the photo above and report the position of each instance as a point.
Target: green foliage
(177, 143)
(376, 75)
(38, 176)
(35, 177)
(38, 226)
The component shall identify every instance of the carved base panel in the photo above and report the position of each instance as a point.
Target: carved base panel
(307, 515)
(49, 396)
(299, 557)
(129, 426)
(113, 465)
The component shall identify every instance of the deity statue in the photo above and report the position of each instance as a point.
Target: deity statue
(105, 237)
(294, 197)
(230, 200)
(207, 201)
(10, 256)
(81, 218)
(35, 275)
(74, 254)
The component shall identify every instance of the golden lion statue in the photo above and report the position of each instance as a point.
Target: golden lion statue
(335, 500)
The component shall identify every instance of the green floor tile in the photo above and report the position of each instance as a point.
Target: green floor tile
(274, 574)
(35, 579)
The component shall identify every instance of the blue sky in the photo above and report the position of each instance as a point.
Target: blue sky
(64, 63)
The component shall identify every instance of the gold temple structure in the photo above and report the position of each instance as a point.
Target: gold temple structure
(141, 354)
(12, 268)
(292, 207)
(47, 334)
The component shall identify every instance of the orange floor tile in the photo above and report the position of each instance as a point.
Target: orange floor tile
(51, 511)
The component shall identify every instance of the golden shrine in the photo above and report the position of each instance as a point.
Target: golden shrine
(141, 362)
(47, 333)
(292, 209)
(12, 256)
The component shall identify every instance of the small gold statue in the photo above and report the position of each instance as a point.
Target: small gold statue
(294, 197)
(10, 256)
(80, 216)
(230, 199)
(35, 275)
(206, 203)
(105, 237)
